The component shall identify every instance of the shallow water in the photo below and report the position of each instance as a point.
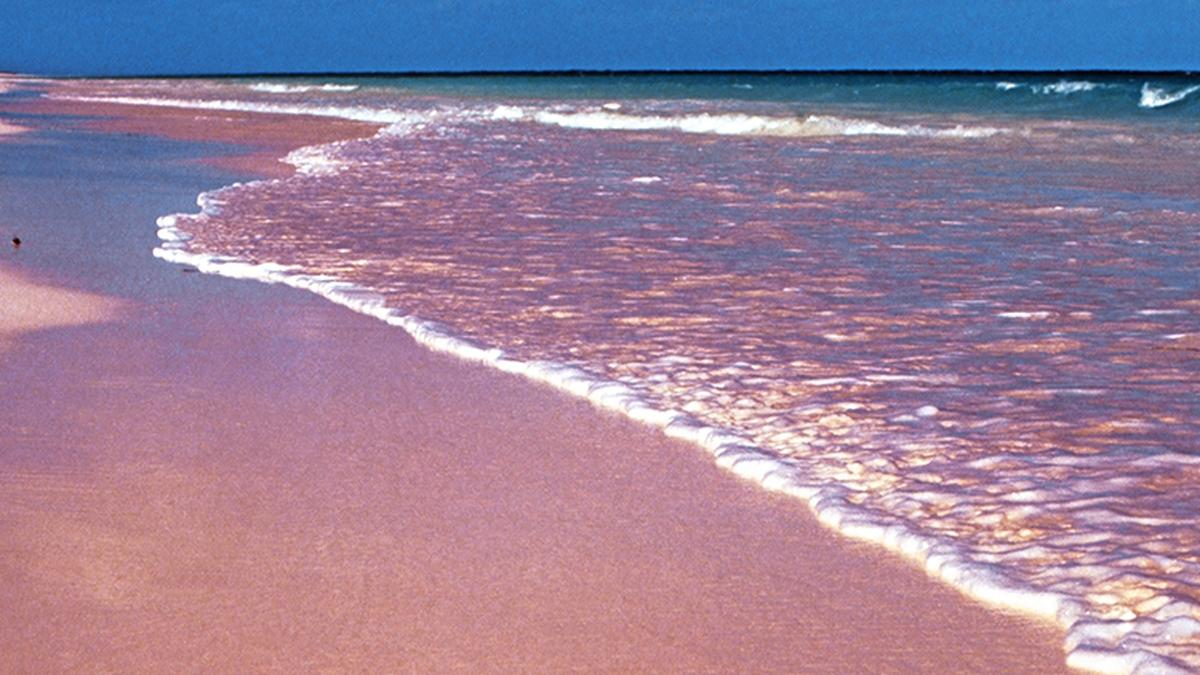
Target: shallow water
(972, 336)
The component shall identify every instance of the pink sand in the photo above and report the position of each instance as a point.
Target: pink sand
(27, 306)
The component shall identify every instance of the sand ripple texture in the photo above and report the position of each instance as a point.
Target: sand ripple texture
(979, 332)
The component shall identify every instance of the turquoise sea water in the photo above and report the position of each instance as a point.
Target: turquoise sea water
(1075, 95)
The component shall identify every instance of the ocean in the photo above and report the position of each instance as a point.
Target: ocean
(956, 314)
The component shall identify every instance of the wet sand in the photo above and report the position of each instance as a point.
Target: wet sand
(233, 476)
(262, 139)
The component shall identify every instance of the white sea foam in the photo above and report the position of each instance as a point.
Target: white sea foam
(510, 113)
(733, 124)
(1062, 87)
(277, 88)
(1153, 97)
(729, 124)
(315, 160)
(356, 113)
(729, 449)
(1036, 316)
(1066, 87)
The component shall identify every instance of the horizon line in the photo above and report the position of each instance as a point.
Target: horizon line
(579, 72)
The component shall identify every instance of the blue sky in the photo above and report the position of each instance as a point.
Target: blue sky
(211, 36)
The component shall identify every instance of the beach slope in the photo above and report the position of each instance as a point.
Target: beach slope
(239, 477)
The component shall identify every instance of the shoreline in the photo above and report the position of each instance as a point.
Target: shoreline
(726, 448)
(788, 511)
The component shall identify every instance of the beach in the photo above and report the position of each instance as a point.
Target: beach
(225, 475)
(30, 306)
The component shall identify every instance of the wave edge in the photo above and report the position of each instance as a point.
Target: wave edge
(1089, 642)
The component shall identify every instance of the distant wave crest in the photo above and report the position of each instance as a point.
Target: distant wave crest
(1062, 87)
(736, 124)
(278, 88)
(1066, 87)
(394, 118)
(607, 118)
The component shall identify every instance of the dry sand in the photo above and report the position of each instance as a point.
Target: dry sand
(273, 483)
(302, 488)
(27, 306)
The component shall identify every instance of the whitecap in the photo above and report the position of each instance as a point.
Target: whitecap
(280, 88)
(404, 119)
(1153, 97)
(1065, 87)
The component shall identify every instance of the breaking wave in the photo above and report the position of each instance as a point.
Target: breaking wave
(1061, 87)
(1157, 97)
(724, 124)
(1066, 87)
(736, 124)
(356, 113)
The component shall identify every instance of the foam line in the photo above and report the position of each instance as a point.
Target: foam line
(280, 88)
(1089, 641)
(355, 113)
(728, 124)
(733, 124)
